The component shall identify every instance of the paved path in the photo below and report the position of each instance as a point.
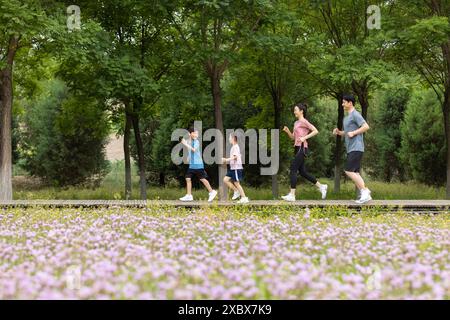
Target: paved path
(394, 205)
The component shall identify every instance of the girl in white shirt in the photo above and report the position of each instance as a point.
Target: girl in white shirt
(235, 173)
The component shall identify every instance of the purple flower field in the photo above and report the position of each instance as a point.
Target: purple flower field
(167, 253)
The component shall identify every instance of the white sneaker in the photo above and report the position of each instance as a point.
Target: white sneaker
(236, 195)
(187, 197)
(365, 197)
(323, 190)
(358, 196)
(289, 198)
(244, 200)
(212, 195)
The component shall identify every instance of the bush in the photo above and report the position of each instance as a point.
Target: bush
(423, 141)
(387, 135)
(321, 114)
(65, 137)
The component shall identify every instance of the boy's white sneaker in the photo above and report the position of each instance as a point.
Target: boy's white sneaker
(323, 190)
(290, 197)
(244, 200)
(365, 197)
(236, 195)
(212, 195)
(187, 197)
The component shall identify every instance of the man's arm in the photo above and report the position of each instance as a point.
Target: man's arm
(362, 124)
(364, 128)
(338, 132)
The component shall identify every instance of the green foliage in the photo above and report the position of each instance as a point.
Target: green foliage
(21, 18)
(64, 137)
(213, 30)
(112, 187)
(184, 99)
(436, 29)
(386, 135)
(421, 30)
(423, 150)
(320, 114)
(342, 51)
(151, 56)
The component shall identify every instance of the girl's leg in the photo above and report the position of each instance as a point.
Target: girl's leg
(238, 186)
(206, 184)
(304, 173)
(227, 181)
(295, 166)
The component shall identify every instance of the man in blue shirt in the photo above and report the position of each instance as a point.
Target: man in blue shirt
(196, 167)
(354, 128)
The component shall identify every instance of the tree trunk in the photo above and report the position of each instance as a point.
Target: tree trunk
(446, 109)
(5, 136)
(126, 151)
(446, 112)
(387, 174)
(277, 124)
(436, 7)
(275, 186)
(361, 91)
(141, 158)
(162, 179)
(217, 101)
(338, 147)
(6, 101)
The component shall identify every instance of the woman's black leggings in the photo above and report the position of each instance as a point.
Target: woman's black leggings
(298, 164)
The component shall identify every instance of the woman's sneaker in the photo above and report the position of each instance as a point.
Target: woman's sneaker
(365, 197)
(212, 195)
(236, 195)
(187, 197)
(244, 200)
(323, 190)
(290, 197)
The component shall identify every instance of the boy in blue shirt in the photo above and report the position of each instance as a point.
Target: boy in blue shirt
(196, 167)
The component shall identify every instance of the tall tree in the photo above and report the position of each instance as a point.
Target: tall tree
(138, 58)
(20, 24)
(385, 141)
(269, 69)
(213, 32)
(349, 56)
(423, 43)
(277, 64)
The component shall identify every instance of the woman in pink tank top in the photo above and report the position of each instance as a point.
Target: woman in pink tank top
(303, 130)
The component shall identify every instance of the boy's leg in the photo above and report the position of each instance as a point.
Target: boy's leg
(188, 196)
(206, 184)
(189, 186)
(238, 186)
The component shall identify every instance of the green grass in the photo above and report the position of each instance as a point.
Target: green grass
(112, 187)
